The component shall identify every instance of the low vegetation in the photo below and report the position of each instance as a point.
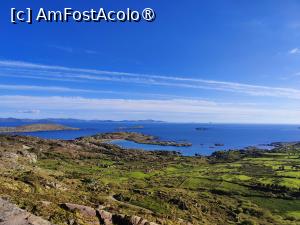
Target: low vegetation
(233, 187)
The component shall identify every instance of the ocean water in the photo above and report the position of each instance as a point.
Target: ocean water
(231, 136)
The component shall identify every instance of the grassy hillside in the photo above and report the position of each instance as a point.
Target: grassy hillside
(235, 187)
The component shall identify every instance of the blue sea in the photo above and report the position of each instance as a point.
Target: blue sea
(204, 140)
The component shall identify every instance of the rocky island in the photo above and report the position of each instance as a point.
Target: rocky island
(35, 128)
(137, 138)
(201, 128)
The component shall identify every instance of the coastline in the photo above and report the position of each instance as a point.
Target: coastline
(102, 138)
(165, 136)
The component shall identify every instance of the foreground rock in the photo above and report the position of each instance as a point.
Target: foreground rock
(12, 215)
(93, 216)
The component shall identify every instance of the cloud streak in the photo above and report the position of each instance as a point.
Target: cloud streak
(73, 50)
(30, 111)
(57, 89)
(54, 89)
(61, 73)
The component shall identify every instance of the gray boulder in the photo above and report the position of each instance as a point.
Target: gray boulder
(10, 214)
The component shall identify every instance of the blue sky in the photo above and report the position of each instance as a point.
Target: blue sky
(199, 61)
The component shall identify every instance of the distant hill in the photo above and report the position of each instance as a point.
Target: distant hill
(35, 128)
(70, 120)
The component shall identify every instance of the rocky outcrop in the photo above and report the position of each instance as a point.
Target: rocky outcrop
(10, 214)
(99, 216)
(136, 220)
(105, 217)
(86, 214)
(137, 138)
(14, 156)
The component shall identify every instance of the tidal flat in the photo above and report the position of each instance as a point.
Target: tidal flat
(89, 181)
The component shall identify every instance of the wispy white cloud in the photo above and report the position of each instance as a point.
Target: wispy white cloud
(55, 89)
(175, 110)
(48, 88)
(61, 73)
(73, 50)
(63, 48)
(294, 51)
(29, 111)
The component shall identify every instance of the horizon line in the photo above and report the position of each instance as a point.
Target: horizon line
(150, 120)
